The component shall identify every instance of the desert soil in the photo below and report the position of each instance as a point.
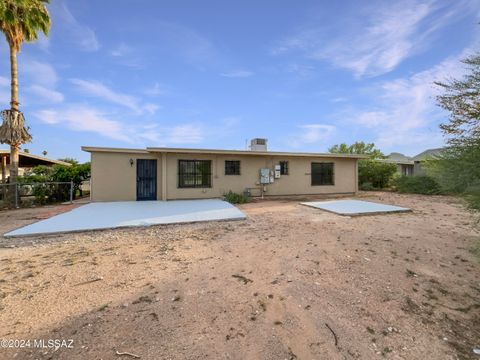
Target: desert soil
(290, 282)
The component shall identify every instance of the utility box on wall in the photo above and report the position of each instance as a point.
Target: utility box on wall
(264, 176)
(277, 171)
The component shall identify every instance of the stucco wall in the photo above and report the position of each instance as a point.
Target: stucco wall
(114, 179)
(298, 182)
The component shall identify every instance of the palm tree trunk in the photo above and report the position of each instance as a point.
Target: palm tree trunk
(14, 148)
(4, 178)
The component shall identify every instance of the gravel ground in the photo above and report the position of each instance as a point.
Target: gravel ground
(290, 282)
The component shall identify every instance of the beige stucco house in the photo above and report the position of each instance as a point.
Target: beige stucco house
(174, 173)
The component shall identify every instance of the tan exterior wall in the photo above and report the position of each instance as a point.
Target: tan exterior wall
(113, 179)
(298, 182)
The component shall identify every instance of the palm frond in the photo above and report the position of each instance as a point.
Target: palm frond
(22, 20)
(13, 130)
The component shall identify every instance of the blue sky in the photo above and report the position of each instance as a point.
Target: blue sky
(211, 74)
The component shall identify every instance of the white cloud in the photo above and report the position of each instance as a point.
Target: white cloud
(185, 134)
(151, 108)
(405, 112)
(187, 43)
(43, 42)
(371, 119)
(84, 118)
(97, 89)
(49, 95)
(156, 90)
(40, 73)
(390, 33)
(237, 74)
(83, 36)
(48, 116)
(311, 134)
(302, 70)
(121, 50)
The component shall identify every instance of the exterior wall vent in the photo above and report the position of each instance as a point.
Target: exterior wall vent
(258, 144)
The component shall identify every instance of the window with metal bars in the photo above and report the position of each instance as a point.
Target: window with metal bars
(232, 167)
(322, 174)
(283, 167)
(194, 173)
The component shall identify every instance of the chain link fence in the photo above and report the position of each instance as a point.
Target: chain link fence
(32, 194)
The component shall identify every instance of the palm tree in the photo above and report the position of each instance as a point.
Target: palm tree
(20, 21)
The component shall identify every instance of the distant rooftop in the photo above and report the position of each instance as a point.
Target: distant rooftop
(400, 158)
(430, 153)
(30, 160)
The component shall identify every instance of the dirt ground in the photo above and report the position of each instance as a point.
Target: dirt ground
(290, 282)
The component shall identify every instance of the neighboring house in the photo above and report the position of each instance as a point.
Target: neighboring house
(420, 158)
(172, 173)
(412, 165)
(404, 164)
(27, 162)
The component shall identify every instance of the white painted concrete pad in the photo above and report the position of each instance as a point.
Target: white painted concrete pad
(354, 207)
(107, 215)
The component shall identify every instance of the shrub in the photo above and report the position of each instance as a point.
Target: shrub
(377, 173)
(234, 198)
(367, 186)
(472, 196)
(416, 185)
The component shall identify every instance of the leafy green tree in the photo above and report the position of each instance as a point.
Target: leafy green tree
(20, 21)
(76, 173)
(358, 147)
(461, 99)
(69, 160)
(458, 169)
(374, 172)
(371, 172)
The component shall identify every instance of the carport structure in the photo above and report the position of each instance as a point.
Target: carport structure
(26, 161)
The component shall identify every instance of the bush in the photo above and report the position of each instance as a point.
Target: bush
(234, 198)
(377, 173)
(367, 186)
(76, 173)
(416, 185)
(472, 196)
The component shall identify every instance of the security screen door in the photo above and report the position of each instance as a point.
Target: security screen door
(146, 179)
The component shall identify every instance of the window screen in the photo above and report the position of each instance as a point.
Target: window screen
(232, 167)
(194, 173)
(322, 174)
(283, 167)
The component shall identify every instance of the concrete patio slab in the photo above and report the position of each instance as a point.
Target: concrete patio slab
(355, 207)
(107, 215)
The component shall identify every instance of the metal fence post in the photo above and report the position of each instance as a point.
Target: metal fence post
(71, 192)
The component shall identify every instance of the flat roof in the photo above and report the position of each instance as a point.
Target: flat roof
(220, 152)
